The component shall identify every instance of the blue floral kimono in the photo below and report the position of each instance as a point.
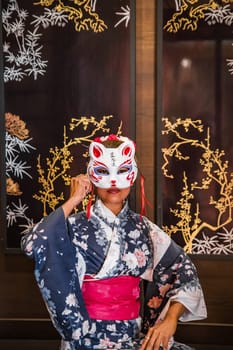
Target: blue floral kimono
(108, 246)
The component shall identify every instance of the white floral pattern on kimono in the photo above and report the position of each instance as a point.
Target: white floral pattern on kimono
(108, 246)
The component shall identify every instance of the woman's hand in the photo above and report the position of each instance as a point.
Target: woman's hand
(159, 335)
(80, 186)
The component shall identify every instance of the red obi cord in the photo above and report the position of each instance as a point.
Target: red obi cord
(116, 298)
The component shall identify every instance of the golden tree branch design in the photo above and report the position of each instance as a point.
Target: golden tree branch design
(187, 17)
(60, 160)
(215, 170)
(80, 13)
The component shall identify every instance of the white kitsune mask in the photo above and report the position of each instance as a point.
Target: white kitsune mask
(112, 167)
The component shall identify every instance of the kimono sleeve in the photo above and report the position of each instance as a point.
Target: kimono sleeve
(50, 245)
(174, 278)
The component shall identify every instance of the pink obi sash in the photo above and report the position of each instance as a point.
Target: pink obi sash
(116, 298)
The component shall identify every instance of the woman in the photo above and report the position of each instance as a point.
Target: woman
(89, 266)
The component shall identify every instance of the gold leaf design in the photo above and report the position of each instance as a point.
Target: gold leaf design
(80, 13)
(12, 188)
(215, 175)
(15, 126)
(188, 15)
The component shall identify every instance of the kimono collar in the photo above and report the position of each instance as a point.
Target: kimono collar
(107, 215)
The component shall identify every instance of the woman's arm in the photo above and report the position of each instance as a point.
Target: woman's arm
(80, 186)
(163, 330)
(173, 291)
(57, 262)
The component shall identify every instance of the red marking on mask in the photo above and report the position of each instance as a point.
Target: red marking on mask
(94, 177)
(97, 151)
(127, 151)
(130, 177)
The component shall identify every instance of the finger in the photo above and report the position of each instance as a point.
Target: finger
(83, 179)
(164, 344)
(78, 180)
(78, 184)
(87, 186)
(153, 340)
(144, 343)
(147, 341)
(158, 344)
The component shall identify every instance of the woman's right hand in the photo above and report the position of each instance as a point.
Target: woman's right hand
(80, 186)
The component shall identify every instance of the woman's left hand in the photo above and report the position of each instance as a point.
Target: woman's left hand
(159, 335)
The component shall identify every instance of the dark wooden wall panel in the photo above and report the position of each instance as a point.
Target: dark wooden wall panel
(19, 294)
(216, 276)
(22, 312)
(145, 96)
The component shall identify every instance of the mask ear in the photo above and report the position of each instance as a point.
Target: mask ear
(96, 150)
(127, 149)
